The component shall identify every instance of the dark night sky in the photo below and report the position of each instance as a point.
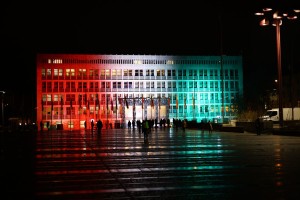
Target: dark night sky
(141, 27)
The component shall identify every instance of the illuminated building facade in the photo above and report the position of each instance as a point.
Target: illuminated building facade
(77, 88)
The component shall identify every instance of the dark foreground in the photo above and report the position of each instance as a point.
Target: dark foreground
(74, 165)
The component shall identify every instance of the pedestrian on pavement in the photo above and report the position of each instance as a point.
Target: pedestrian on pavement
(92, 125)
(210, 127)
(99, 126)
(129, 124)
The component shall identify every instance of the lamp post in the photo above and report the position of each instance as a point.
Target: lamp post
(275, 17)
(2, 106)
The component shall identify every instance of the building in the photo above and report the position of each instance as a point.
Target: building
(76, 88)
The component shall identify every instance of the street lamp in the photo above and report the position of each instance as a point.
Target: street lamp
(275, 17)
(2, 106)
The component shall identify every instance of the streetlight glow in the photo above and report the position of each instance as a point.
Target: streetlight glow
(276, 17)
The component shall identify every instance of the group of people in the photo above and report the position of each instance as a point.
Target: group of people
(99, 126)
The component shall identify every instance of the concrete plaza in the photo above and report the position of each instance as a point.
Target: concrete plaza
(118, 164)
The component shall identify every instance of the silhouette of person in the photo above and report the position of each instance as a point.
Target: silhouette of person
(92, 125)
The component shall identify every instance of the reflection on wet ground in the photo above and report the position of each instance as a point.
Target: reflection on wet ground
(173, 165)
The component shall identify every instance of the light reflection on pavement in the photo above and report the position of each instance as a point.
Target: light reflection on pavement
(174, 165)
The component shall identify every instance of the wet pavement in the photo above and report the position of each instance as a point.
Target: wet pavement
(118, 164)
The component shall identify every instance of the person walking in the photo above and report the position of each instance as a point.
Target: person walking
(92, 125)
(210, 127)
(129, 124)
(99, 126)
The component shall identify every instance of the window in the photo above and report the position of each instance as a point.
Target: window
(152, 84)
(158, 72)
(56, 86)
(107, 72)
(119, 72)
(44, 86)
(55, 72)
(49, 97)
(180, 72)
(43, 73)
(201, 72)
(102, 72)
(169, 72)
(173, 72)
(48, 72)
(73, 85)
(158, 84)
(56, 97)
(93, 72)
(49, 86)
(141, 84)
(136, 72)
(82, 72)
(68, 72)
(68, 85)
(179, 84)
(61, 86)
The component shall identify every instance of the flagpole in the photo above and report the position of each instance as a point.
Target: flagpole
(51, 112)
(133, 108)
(106, 112)
(142, 107)
(70, 115)
(116, 108)
(79, 98)
(158, 108)
(61, 109)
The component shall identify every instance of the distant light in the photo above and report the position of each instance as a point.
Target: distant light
(267, 9)
(276, 15)
(259, 13)
(264, 22)
(292, 17)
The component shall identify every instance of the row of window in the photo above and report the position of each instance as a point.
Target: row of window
(138, 84)
(181, 98)
(137, 72)
(139, 61)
